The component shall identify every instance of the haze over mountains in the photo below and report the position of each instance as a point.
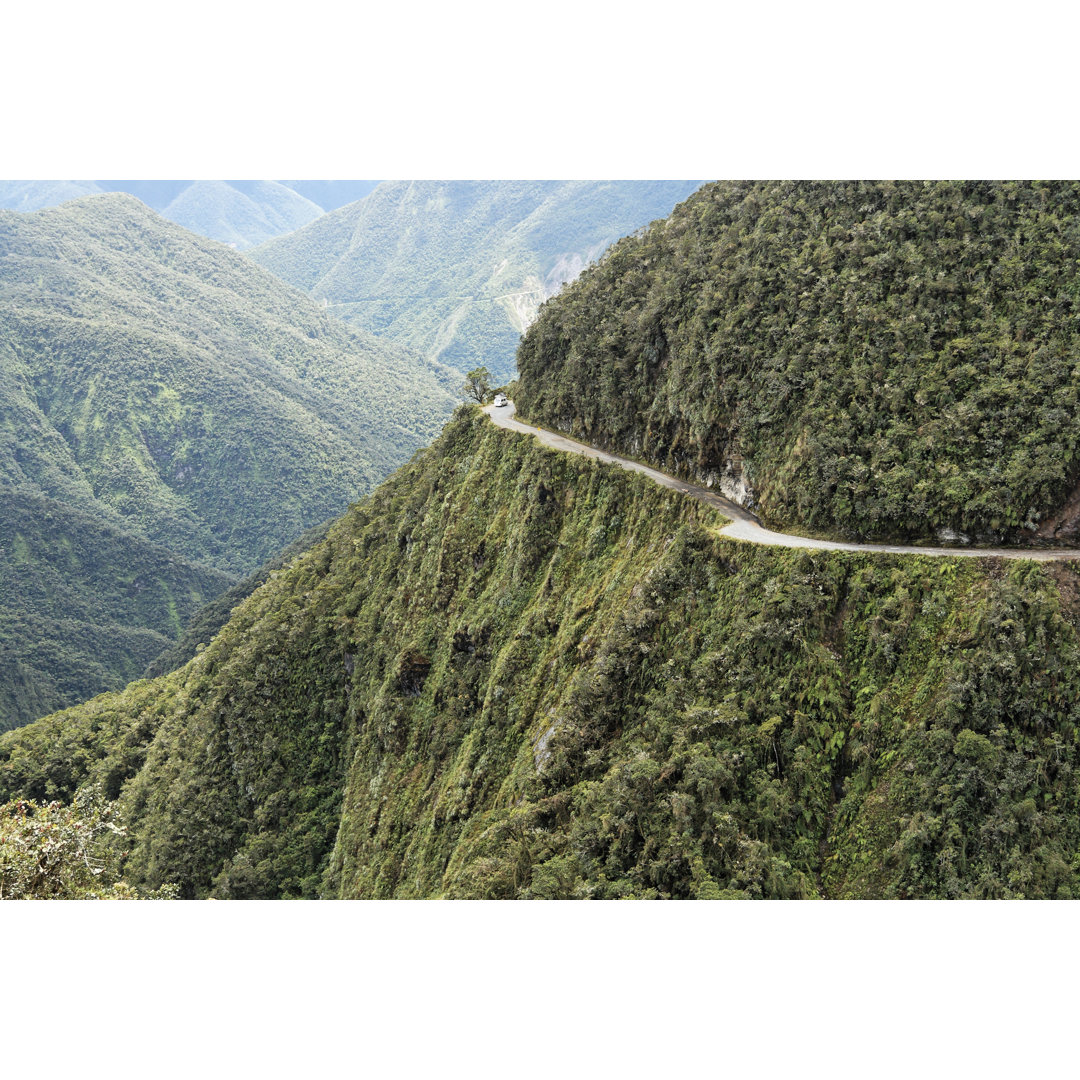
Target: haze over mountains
(453, 270)
(188, 404)
(515, 672)
(457, 270)
(239, 213)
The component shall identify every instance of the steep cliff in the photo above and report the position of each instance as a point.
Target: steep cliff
(514, 672)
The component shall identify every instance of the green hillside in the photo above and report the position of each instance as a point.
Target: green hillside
(210, 407)
(209, 619)
(515, 672)
(874, 360)
(457, 270)
(240, 214)
(84, 607)
(172, 393)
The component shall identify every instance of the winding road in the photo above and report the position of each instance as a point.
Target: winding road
(744, 525)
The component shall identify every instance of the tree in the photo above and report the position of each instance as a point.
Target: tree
(49, 851)
(478, 385)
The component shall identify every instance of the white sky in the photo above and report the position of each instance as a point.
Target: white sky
(565, 88)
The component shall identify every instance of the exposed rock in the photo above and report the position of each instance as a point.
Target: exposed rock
(1064, 524)
(951, 536)
(541, 754)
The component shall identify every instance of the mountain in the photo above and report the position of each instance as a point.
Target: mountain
(512, 672)
(239, 213)
(27, 195)
(874, 360)
(84, 606)
(178, 397)
(456, 270)
(157, 194)
(332, 194)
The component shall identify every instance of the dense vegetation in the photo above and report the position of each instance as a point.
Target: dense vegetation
(456, 270)
(210, 618)
(161, 391)
(58, 851)
(211, 407)
(237, 212)
(876, 359)
(84, 606)
(513, 672)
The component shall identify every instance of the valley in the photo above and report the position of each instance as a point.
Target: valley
(169, 413)
(689, 630)
(457, 271)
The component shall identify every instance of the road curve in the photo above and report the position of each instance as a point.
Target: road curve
(744, 525)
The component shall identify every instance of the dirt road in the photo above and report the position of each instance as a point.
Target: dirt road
(744, 525)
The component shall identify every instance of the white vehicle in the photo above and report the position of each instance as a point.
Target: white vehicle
(500, 401)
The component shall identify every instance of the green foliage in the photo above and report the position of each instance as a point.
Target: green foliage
(877, 359)
(209, 619)
(511, 672)
(49, 851)
(84, 606)
(171, 416)
(165, 381)
(477, 385)
(456, 270)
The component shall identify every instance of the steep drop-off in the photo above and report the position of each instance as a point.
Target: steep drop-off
(515, 672)
(874, 360)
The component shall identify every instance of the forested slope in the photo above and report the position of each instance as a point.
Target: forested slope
(209, 406)
(456, 270)
(515, 672)
(874, 360)
(172, 395)
(84, 606)
(212, 616)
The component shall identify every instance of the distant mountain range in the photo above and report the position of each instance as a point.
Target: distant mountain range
(171, 416)
(457, 270)
(454, 270)
(239, 213)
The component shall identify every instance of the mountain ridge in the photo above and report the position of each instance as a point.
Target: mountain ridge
(480, 255)
(175, 395)
(235, 212)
